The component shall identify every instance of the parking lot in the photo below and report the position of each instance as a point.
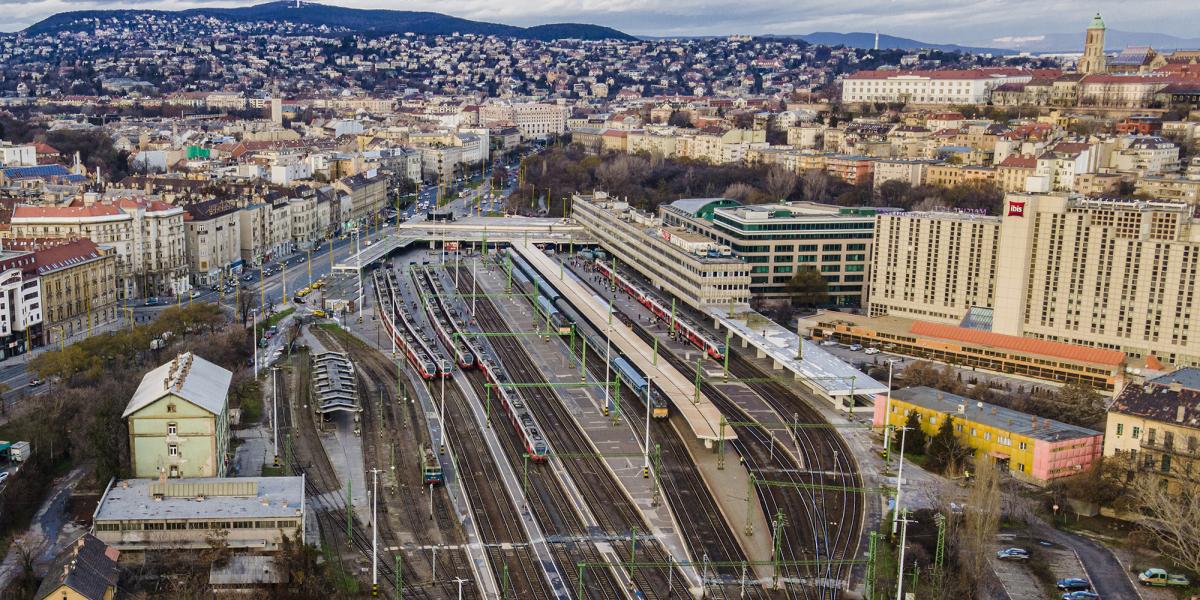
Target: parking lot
(1035, 577)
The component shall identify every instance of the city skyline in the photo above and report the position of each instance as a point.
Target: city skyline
(977, 23)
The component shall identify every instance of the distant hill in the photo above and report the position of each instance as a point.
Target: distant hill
(860, 39)
(1073, 42)
(367, 22)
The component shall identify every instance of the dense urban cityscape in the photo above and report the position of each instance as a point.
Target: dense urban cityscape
(307, 301)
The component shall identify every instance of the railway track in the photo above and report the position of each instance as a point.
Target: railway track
(818, 525)
(402, 505)
(611, 509)
(513, 560)
(708, 537)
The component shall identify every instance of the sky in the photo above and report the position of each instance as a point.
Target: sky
(938, 21)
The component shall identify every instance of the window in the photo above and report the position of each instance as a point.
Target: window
(172, 449)
(1021, 467)
(171, 408)
(1165, 464)
(987, 436)
(1023, 446)
(1120, 429)
(172, 429)
(1137, 431)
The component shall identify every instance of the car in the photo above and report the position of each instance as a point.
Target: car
(1074, 584)
(3, 476)
(36, 382)
(829, 343)
(871, 351)
(152, 301)
(298, 299)
(195, 293)
(1013, 554)
(1157, 577)
(855, 347)
(1081, 595)
(320, 314)
(247, 277)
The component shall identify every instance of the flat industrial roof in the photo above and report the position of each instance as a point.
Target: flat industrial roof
(223, 498)
(822, 369)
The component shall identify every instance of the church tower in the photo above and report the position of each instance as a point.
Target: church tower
(1093, 60)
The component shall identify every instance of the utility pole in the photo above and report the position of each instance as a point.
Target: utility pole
(899, 485)
(646, 445)
(460, 581)
(887, 420)
(275, 414)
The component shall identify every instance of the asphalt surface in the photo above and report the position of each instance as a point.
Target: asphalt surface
(1108, 577)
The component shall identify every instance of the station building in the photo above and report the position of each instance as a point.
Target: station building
(1112, 273)
(683, 263)
(1044, 360)
(1034, 450)
(161, 514)
(779, 240)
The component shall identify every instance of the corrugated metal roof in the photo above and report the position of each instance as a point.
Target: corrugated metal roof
(189, 377)
(1020, 344)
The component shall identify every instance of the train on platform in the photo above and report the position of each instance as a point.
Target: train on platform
(398, 324)
(545, 303)
(444, 318)
(675, 323)
(659, 406)
(431, 467)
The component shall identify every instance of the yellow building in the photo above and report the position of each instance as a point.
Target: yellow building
(1034, 450)
(1157, 427)
(85, 570)
(79, 286)
(179, 420)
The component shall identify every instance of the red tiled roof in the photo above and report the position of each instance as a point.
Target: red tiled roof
(1019, 344)
(1019, 161)
(25, 211)
(57, 257)
(943, 74)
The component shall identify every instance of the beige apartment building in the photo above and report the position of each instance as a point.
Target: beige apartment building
(148, 236)
(1111, 273)
(1156, 428)
(368, 195)
(682, 263)
(213, 232)
(78, 281)
(1170, 187)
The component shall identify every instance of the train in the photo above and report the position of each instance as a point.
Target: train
(545, 304)
(659, 407)
(398, 324)
(681, 325)
(443, 318)
(522, 420)
(431, 467)
(638, 383)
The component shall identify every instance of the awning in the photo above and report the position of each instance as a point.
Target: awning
(998, 455)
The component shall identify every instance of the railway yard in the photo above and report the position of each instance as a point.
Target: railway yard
(520, 450)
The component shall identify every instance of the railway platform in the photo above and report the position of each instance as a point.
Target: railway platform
(702, 416)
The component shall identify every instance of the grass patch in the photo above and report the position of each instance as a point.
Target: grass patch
(279, 316)
(272, 471)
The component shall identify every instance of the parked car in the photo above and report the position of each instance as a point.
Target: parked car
(829, 343)
(1081, 595)
(320, 314)
(871, 351)
(152, 301)
(36, 382)
(1074, 584)
(3, 476)
(855, 347)
(1013, 554)
(1161, 578)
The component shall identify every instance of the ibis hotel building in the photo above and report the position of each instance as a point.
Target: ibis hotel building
(1111, 273)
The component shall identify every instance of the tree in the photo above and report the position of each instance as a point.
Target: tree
(892, 193)
(982, 518)
(815, 184)
(780, 183)
(1168, 514)
(742, 192)
(946, 451)
(680, 118)
(915, 439)
(808, 288)
(1080, 404)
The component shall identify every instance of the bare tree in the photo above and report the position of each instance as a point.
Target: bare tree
(780, 183)
(815, 183)
(1169, 515)
(742, 192)
(982, 517)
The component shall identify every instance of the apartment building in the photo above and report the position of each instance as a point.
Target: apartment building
(779, 240)
(533, 119)
(1170, 187)
(912, 172)
(1111, 273)
(148, 236)
(368, 195)
(265, 229)
(682, 263)
(78, 285)
(972, 86)
(213, 240)
(952, 175)
(1156, 427)
(21, 312)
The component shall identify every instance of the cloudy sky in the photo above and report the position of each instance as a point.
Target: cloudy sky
(942, 21)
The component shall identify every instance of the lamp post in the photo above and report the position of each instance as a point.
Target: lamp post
(275, 414)
(887, 417)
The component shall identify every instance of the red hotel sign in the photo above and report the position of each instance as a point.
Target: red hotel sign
(1016, 209)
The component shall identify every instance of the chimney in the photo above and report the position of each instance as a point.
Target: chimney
(1180, 413)
(1176, 386)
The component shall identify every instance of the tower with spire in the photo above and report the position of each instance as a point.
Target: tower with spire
(1093, 60)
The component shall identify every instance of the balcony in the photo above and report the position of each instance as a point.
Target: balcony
(1177, 448)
